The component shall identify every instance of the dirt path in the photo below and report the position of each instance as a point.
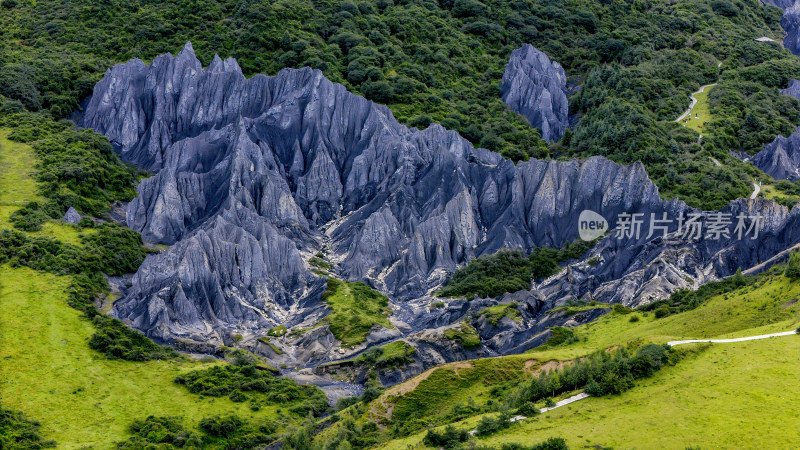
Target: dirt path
(756, 191)
(694, 101)
(564, 402)
(725, 341)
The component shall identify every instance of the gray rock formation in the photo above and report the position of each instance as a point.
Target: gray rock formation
(536, 88)
(782, 4)
(781, 158)
(72, 216)
(254, 176)
(793, 89)
(790, 22)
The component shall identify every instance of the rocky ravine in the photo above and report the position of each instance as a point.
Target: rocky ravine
(536, 87)
(253, 176)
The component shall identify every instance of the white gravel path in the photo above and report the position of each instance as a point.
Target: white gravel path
(725, 341)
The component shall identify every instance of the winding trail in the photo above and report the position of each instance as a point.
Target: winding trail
(726, 341)
(694, 101)
(559, 404)
(584, 395)
(756, 191)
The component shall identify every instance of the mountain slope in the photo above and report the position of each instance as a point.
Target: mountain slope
(672, 408)
(254, 176)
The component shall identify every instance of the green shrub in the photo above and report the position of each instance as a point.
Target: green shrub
(600, 373)
(244, 382)
(793, 266)
(508, 271)
(528, 409)
(687, 299)
(465, 334)
(449, 438)
(661, 312)
(560, 336)
(549, 444)
(221, 426)
(620, 309)
(18, 433)
(160, 430)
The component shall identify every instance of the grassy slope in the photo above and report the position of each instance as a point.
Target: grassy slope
(724, 398)
(700, 401)
(18, 187)
(50, 373)
(700, 110)
(760, 309)
(356, 308)
(16, 181)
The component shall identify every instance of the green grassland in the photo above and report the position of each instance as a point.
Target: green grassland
(783, 192)
(50, 373)
(700, 114)
(82, 398)
(496, 313)
(356, 308)
(697, 402)
(18, 187)
(729, 396)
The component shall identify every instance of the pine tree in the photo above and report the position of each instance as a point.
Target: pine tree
(793, 267)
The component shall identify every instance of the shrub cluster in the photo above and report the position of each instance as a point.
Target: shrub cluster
(243, 382)
(792, 270)
(20, 433)
(229, 431)
(600, 373)
(687, 299)
(77, 168)
(509, 271)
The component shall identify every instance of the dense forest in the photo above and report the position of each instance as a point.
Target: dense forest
(633, 63)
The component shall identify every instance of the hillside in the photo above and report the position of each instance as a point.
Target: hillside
(49, 353)
(637, 63)
(352, 224)
(690, 403)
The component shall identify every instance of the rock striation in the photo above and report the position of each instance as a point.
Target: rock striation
(536, 88)
(790, 22)
(254, 176)
(781, 158)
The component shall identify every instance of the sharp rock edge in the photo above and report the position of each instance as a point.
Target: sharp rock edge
(536, 88)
